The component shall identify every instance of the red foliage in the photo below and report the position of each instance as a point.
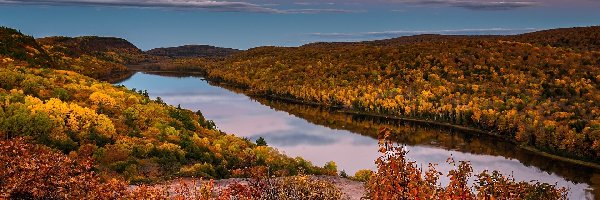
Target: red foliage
(34, 171)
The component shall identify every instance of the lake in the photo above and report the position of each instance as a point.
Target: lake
(321, 135)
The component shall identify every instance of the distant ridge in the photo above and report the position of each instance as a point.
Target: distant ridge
(576, 38)
(188, 51)
(106, 48)
(579, 38)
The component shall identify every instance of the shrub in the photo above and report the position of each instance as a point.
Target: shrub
(399, 178)
(36, 172)
(362, 175)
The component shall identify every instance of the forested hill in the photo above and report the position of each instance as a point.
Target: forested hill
(14, 44)
(578, 38)
(187, 51)
(96, 57)
(543, 93)
(107, 48)
(89, 44)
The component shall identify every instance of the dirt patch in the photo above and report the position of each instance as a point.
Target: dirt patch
(351, 190)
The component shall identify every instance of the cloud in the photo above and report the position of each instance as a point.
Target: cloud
(391, 34)
(217, 6)
(500, 5)
(320, 10)
(313, 3)
(478, 5)
(223, 6)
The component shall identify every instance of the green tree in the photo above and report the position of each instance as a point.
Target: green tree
(261, 141)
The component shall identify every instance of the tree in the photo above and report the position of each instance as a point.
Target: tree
(330, 168)
(261, 141)
(343, 174)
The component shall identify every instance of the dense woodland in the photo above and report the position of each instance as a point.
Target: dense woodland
(531, 93)
(65, 135)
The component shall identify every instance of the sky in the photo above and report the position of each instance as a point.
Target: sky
(244, 24)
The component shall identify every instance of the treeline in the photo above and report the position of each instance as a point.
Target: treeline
(534, 94)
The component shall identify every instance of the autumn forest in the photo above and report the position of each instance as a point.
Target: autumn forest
(68, 132)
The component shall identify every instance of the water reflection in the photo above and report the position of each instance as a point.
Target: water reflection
(321, 135)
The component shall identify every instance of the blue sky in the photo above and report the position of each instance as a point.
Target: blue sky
(246, 24)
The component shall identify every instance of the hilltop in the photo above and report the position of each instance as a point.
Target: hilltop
(90, 44)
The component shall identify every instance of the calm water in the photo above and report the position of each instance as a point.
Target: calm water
(320, 135)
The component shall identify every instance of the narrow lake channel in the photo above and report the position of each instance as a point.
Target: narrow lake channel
(320, 135)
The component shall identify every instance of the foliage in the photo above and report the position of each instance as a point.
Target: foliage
(92, 56)
(18, 46)
(124, 131)
(41, 173)
(541, 96)
(36, 172)
(330, 168)
(520, 91)
(362, 175)
(399, 178)
(110, 49)
(581, 39)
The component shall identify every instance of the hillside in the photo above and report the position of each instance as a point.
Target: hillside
(187, 51)
(119, 133)
(14, 44)
(580, 39)
(530, 93)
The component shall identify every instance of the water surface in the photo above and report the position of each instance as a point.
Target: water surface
(320, 135)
